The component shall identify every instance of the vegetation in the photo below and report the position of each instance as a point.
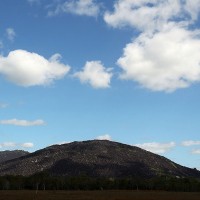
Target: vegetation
(97, 195)
(44, 181)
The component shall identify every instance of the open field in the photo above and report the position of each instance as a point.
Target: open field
(97, 195)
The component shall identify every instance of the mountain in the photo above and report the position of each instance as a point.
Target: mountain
(96, 158)
(9, 155)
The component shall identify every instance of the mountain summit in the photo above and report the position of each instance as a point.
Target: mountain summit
(96, 158)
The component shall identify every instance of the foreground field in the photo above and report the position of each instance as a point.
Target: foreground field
(97, 195)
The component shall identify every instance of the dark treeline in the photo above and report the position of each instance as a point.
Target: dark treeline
(45, 182)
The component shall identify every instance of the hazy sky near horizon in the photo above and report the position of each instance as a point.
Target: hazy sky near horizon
(123, 70)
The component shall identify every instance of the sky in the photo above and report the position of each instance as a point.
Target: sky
(121, 70)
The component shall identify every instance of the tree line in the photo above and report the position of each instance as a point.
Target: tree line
(44, 181)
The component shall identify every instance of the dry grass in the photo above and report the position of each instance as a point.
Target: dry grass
(97, 195)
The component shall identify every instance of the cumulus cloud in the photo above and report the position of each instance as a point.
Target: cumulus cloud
(166, 61)
(30, 69)
(17, 122)
(27, 145)
(151, 15)
(10, 34)
(155, 147)
(190, 143)
(164, 57)
(7, 144)
(104, 137)
(95, 74)
(192, 8)
(78, 7)
(196, 151)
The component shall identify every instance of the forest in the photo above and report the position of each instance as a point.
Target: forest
(44, 181)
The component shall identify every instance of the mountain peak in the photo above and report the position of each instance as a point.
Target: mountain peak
(96, 158)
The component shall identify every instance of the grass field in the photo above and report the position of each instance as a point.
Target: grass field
(97, 195)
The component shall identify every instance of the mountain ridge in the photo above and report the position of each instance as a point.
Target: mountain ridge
(95, 158)
(11, 154)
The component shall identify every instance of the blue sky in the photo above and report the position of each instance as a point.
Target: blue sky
(123, 70)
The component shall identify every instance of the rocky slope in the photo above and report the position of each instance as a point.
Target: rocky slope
(96, 158)
(9, 155)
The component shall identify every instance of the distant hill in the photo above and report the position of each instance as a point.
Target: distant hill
(9, 155)
(96, 158)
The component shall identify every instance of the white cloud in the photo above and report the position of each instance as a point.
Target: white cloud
(190, 143)
(151, 15)
(192, 8)
(63, 142)
(16, 145)
(155, 147)
(30, 69)
(17, 122)
(10, 34)
(104, 137)
(164, 57)
(166, 61)
(143, 14)
(27, 145)
(196, 151)
(7, 144)
(95, 74)
(77, 7)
